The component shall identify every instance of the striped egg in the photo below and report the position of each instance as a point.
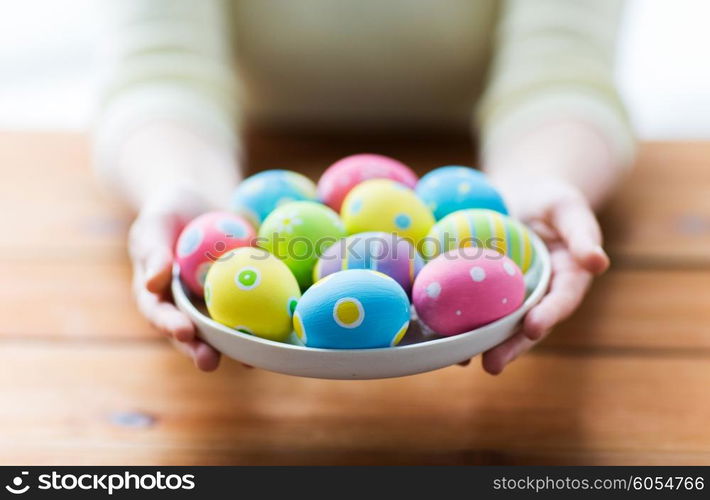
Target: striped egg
(346, 173)
(252, 291)
(259, 195)
(448, 189)
(353, 309)
(386, 205)
(378, 251)
(481, 228)
(206, 238)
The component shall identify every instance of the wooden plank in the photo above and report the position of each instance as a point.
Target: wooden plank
(69, 299)
(52, 204)
(626, 309)
(661, 215)
(141, 403)
(642, 309)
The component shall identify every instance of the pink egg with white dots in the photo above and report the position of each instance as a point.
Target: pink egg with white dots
(466, 288)
(204, 240)
(346, 173)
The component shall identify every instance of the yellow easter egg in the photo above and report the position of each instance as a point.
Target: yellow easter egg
(252, 291)
(386, 205)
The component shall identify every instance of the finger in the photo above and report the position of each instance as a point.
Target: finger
(206, 357)
(578, 227)
(203, 356)
(159, 270)
(567, 289)
(166, 317)
(495, 360)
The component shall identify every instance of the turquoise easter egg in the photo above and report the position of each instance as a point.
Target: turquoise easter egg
(448, 189)
(353, 309)
(259, 195)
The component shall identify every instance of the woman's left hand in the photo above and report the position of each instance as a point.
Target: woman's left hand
(561, 215)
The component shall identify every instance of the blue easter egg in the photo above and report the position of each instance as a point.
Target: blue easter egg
(257, 196)
(448, 189)
(352, 309)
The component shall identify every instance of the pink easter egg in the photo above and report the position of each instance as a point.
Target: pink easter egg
(343, 175)
(205, 239)
(466, 288)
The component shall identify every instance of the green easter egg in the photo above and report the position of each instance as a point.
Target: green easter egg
(298, 233)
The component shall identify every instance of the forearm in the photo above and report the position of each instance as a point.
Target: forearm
(566, 150)
(163, 156)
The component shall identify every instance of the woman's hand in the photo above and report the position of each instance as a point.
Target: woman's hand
(151, 242)
(561, 215)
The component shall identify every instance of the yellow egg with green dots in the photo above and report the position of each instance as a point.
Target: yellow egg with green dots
(386, 205)
(481, 228)
(252, 291)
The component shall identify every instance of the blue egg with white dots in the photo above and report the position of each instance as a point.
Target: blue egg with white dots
(259, 195)
(352, 309)
(448, 189)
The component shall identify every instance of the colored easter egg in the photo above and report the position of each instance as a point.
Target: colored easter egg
(467, 288)
(259, 195)
(204, 240)
(385, 205)
(378, 251)
(298, 233)
(448, 189)
(343, 175)
(482, 228)
(252, 291)
(353, 309)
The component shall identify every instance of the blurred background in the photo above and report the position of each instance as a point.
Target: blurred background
(49, 69)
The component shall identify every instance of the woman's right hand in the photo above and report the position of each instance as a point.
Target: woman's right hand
(151, 242)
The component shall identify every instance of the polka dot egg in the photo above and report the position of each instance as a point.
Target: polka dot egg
(385, 205)
(260, 194)
(298, 233)
(353, 309)
(482, 228)
(383, 252)
(204, 240)
(467, 288)
(448, 189)
(252, 291)
(343, 175)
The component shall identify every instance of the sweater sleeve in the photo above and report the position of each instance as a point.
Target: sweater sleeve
(555, 59)
(164, 59)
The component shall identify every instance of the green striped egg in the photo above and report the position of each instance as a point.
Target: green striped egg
(482, 228)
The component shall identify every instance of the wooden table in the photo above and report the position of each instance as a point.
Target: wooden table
(84, 380)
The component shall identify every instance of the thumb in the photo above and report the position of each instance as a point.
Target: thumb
(578, 227)
(158, 272)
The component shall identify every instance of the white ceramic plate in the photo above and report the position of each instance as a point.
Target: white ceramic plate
(419, 352)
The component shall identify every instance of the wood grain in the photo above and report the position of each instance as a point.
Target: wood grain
(660, 216)
(84, 379)
(69, 299)
(626, 309)
(143, 404)
(51, 203)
